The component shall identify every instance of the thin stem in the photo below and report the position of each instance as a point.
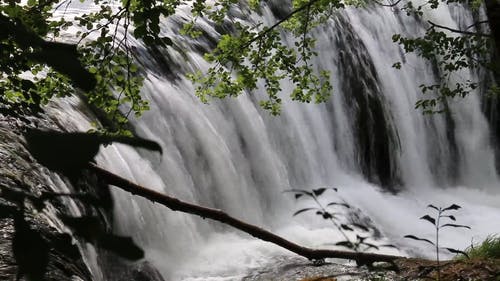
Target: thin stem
(304, 37)
(437, 246)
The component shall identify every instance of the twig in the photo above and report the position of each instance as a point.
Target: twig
(387, 5)
(459, 31)
(477, 23)
(287, 17)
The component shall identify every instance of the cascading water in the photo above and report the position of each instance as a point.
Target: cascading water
(365, 140)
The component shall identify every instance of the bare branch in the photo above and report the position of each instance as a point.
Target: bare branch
(387, 5)
(220, 216)
(459, 31)
(477, 23)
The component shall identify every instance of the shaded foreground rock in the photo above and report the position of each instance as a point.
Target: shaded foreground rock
(67, 255)
(17, 172)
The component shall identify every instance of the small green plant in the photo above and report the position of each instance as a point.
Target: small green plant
(331, 213)
(488, 249)
(437, 221)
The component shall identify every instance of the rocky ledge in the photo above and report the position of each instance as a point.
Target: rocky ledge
(407, 269)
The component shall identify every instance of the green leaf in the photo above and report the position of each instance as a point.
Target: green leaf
(303, 210)
(319, 191)
(455, 251)
(450, 217)
(430, 205)
(429, 219)
(419, 239)
(338, 204)
(455, 225)
(300, 192)
(452, 207)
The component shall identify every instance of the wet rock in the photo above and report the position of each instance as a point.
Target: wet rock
(22, 182)
(291, 268)
(19, 180)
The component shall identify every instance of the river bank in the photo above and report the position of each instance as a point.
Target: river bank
(297, 269)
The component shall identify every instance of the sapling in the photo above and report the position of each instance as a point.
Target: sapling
(442, 213)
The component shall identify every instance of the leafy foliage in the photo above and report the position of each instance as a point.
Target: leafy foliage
(243, 59)
(488, 249)
(452, 52)
(253, 55)
(34, 70)
(247, 57)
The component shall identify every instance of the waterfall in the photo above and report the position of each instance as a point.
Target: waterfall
(367, 140)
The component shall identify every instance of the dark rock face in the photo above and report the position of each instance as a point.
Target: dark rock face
(26, 221)
(119, 270)
(62, 259)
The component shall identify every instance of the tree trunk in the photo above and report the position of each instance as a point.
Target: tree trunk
(218, 215)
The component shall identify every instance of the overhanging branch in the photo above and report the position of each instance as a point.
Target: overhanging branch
(220, 216)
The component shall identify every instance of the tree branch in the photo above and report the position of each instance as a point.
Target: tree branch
(62, 57)
(387, 5)
(459, 31)
(287, 17)
(477, 23)
(220, 216)
(299, 9)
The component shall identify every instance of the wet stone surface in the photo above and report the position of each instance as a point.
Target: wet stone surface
(300, 269)
(19, 172)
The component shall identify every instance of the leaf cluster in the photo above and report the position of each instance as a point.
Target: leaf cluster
(248, 58)
(34, 70)
(243, 60)
(451, 51)
(329, 212)
(442, 213)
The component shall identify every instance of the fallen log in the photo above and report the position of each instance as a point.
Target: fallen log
(220, 216)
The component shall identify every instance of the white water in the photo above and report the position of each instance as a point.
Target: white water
(233, 156)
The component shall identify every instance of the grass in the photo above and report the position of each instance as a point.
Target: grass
(488, 249)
